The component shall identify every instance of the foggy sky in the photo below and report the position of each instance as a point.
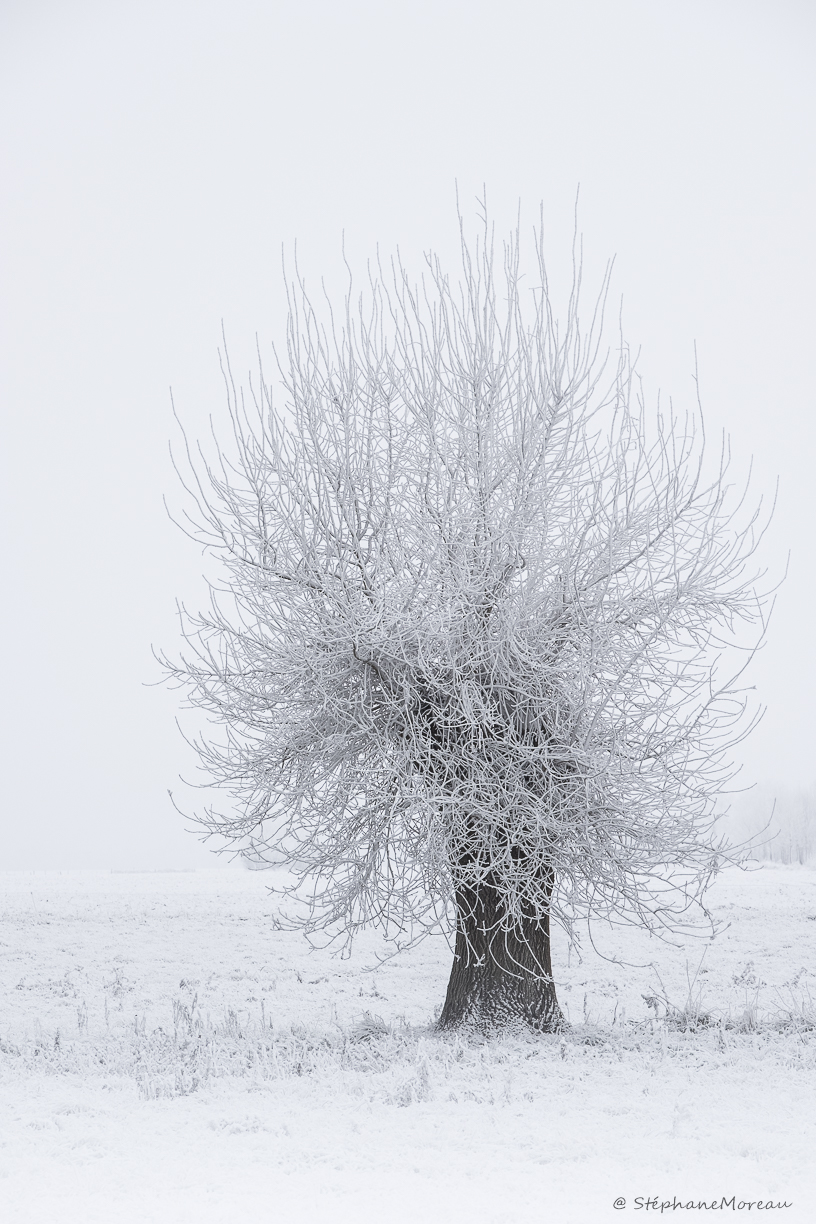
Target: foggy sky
(156, 158)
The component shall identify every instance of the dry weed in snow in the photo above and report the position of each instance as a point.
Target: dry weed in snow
(168, 1054)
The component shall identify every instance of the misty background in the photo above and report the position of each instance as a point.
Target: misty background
(156, 159)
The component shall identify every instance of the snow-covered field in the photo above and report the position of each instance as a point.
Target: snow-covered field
(167, 1054)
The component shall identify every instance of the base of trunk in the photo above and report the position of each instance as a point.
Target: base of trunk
(500, 979)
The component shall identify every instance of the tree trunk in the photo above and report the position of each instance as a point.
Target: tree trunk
(499, 978)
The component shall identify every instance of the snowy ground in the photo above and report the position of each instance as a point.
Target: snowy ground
(167, 1054)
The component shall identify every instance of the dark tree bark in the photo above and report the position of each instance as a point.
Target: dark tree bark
(499, 978)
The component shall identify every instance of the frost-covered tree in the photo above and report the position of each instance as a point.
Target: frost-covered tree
(463, 647)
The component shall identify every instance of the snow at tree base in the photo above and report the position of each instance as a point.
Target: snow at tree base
(168, 1054)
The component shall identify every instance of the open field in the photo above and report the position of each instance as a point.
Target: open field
(167, 1054)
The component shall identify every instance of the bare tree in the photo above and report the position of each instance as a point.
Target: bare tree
(464, 649)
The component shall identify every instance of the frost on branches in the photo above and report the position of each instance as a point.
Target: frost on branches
(463, 650)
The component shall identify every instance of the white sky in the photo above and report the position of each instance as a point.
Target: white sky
(155, 159)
